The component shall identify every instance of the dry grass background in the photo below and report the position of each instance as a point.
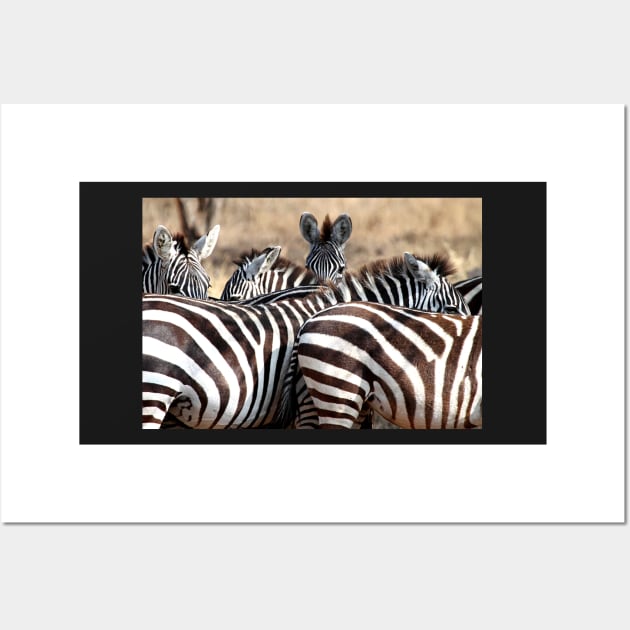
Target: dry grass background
(381, 228)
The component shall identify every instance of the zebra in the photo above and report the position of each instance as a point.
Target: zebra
(326, 258)
(263, 272)
(417, 370)
(169, 266)
(214, 364)
(470, 290)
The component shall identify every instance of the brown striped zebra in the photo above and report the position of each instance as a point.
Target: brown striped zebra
(417, 370)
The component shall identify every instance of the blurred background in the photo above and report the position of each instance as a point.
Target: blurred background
(381, 228)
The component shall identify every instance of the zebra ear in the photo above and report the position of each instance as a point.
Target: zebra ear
(341, 230)
(263, 262)
(162, 241)
(309, 229)
(420, 270)
(206, 244)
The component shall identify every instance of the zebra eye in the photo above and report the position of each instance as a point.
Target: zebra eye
(174, 289)
(451, 310)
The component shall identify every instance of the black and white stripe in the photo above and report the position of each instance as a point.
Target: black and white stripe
(213, 364)
(326, 258)
(471, 291)
(418, 370)
(170, 267)
(263, 272)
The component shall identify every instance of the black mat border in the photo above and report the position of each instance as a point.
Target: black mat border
(514, 268)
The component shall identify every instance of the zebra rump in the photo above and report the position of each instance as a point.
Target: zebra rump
(214, 365)
(418, 370)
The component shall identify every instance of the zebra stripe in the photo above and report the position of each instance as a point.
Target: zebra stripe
(263, 272)
(220, 365)
(471, 290)
(170, 422)
(417, 370)
(326, 258)
(216, 366)
(170, 267)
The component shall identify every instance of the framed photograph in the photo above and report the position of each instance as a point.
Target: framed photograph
(470, 225)
(549, 184)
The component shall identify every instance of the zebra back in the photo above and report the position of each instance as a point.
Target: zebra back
(326, 258)
(216, 365)
(169, 266)
(418, 370)
(258, 273)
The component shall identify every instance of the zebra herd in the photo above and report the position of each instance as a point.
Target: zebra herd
(308, 347)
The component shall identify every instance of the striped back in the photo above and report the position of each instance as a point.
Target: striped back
(418, 370)
(471, 291)
(326, 258)
(258, 273)
(214, 365)
(170, 267)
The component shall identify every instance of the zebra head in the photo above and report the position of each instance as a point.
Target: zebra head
(326, 258)
(180, 271)
(439, 295)
(247, 280)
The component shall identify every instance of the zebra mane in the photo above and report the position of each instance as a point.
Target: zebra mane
(285, 263)
(280, 264)
(326, 231)
(247, 257)
(179, 242)
(395, 267)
